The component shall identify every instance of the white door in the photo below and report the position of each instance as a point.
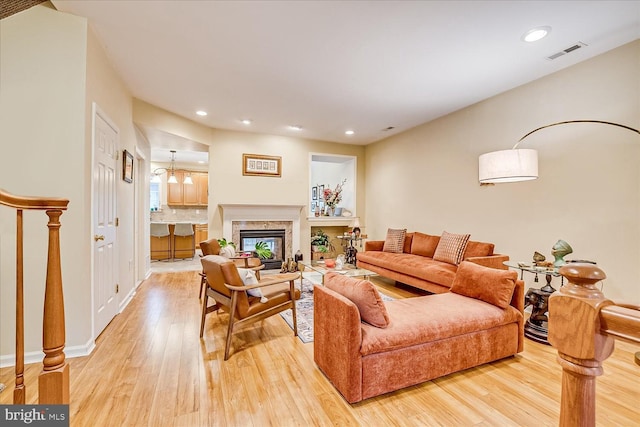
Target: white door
(105, 167)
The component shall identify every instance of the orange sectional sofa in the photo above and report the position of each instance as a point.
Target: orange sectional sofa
(415, 266)
(415, 339)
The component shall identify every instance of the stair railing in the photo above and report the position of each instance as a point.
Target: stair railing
(582, 327)
(53, 382)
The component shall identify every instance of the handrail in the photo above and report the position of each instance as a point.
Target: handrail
(582, 327)
(28, 203)
(53, 382)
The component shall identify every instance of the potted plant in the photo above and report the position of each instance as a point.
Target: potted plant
(227, 249)
(262, 250)
(319, 239)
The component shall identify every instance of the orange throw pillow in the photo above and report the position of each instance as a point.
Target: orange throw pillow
(485, 283)
(363, 294)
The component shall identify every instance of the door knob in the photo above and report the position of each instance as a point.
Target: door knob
(98, 237)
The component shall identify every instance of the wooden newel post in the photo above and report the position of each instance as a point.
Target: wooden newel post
(574, 330)
(53, 382)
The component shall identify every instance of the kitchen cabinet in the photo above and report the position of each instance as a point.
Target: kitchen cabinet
(196, 194)
(174, 191)
(202, 233)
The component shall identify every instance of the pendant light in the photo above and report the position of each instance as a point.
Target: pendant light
(172, 178)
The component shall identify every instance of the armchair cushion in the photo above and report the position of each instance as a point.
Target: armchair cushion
(484, 283)
(363, 294)
(249, 278)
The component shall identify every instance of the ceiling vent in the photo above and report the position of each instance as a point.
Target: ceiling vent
(388, 129)
(567, 50)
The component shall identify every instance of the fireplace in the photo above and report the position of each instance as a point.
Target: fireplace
(275, 240)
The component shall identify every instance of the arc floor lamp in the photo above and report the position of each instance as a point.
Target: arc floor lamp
(520, 164)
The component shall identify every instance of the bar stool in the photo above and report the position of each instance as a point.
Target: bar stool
(160, 241)
(184, 241)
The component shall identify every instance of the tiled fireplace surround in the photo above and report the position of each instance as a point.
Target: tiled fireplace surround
(236, 217)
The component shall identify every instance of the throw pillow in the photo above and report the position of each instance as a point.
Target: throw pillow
(249, 278)
(484, 283)
(394, 241)
(363, 294)
(228, 251)
(424, 244)
(451, 248)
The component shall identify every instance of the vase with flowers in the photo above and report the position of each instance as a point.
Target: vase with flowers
(333, 197)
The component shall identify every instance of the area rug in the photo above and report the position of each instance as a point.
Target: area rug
(304, 309)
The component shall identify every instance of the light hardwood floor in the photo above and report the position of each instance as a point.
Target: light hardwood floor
(151, 368)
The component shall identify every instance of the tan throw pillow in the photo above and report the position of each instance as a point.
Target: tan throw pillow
(451, 248)
(394, 241)
(363, 294)
(484, 283)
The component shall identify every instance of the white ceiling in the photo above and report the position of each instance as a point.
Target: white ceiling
(330, 66)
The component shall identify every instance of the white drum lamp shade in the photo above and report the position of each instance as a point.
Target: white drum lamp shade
(508, 166)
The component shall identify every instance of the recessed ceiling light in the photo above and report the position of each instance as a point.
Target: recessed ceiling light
(201, 113)
(246, 121)
(349, 132)
(535, 34)
(295, 127)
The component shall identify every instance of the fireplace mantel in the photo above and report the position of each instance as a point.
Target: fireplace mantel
(256, 212)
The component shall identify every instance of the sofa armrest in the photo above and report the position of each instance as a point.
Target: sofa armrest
(373, 245)
(336, 341)
(493, 261)
(517, 301)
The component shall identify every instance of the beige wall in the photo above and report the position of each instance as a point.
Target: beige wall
(588, 192)
(227, 185)
(44, 153)
(106, 89)
(52, 69)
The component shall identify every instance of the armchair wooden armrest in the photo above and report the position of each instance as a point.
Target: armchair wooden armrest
(267, 281)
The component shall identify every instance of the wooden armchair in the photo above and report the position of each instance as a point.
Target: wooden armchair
(212, 247)
(225, 286)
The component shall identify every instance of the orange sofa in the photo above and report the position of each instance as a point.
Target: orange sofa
(424, 337)
(415, 266)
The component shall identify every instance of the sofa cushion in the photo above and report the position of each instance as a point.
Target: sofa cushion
(478, 249)
(418, 266)
(363, 294)
(415, 321)
(424, 244)
(487, 284)
(451, 248)
(394, 241)
(408, 238)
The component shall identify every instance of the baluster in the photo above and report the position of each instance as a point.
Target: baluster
(53, 382)
(19, 392)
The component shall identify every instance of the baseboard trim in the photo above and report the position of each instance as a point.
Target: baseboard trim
(37, 356)
(127, 300)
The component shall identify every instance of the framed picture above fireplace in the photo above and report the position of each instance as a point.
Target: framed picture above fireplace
(260, 165)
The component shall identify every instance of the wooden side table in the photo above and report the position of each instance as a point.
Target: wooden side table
(349, 249)
(536, 327)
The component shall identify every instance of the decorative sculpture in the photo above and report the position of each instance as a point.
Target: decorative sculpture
(559, 250)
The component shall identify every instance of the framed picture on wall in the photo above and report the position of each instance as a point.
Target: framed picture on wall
(320, 192)
(259, 165)
(314, 193)
(127, 166)
(313, 206)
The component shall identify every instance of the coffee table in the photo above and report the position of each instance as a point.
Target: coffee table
(348, 270)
